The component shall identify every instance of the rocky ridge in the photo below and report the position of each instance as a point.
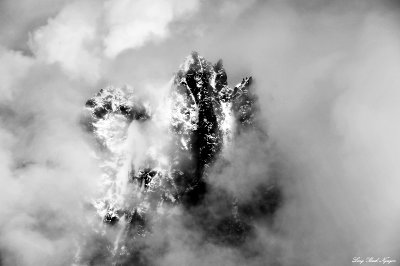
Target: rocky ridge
(206, 115)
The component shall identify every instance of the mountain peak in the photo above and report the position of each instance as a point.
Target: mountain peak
(206, 116)
(117, 100)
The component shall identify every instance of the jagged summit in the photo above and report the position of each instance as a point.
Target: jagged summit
(206, 115)
(117, 100)
(196, 71)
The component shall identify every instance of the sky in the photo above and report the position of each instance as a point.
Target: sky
(326, 73)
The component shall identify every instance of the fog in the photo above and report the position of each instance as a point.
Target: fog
(326, 73)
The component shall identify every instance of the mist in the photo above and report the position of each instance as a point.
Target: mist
(325, 72)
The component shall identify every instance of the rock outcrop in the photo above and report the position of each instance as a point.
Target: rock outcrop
(206, 115)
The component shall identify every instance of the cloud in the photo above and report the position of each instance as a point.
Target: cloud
(18, 18)
(84, 32)
(326, 73)
(70, 39)
(46, 171)
(131, 24)
(13, 66)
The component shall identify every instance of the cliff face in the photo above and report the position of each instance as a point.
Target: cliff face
(205, 116)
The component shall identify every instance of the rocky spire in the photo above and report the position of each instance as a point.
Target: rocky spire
(205, 114)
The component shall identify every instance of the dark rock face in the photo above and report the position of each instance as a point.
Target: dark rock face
(199, 134)
(206, 115)
(245, 104)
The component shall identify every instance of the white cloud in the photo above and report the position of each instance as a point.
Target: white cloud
(330, 69)
(83, 32)
(131, 24)
(69, 39)
(13, 67)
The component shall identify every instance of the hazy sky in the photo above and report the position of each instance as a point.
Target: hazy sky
(327, 73)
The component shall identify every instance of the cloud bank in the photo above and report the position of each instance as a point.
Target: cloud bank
(327, 76)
